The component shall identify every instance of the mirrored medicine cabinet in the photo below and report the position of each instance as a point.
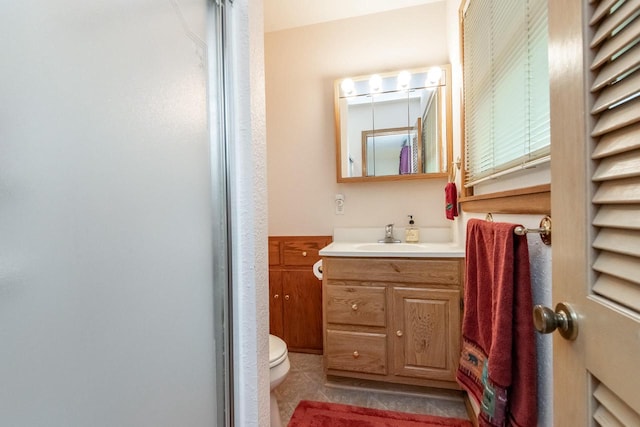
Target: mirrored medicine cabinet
(394, 126)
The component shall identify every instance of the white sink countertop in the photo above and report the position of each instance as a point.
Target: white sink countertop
(363, 242)
(398, 250)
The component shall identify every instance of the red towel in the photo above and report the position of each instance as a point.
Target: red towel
(451, 200)
(498, 358)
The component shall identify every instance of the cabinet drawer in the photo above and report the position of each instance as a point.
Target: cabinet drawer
(356, 351)
(430, 271)
(302, 252)
(355, 305)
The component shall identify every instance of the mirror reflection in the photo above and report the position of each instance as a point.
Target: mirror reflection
(393, 126)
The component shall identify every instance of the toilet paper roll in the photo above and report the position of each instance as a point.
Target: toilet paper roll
(317, 269)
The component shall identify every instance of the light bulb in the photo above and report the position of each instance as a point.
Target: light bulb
(347, 86)
(433, 76)
(375, 83)
(403, 79)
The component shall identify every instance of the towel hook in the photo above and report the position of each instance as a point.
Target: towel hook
(452, 172)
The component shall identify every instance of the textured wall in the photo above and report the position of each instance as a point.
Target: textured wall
(301, 67)
(249, 218)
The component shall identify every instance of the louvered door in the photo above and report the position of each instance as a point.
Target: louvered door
(595, 140)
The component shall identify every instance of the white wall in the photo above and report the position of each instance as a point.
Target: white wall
(301, 67)
(249, 217)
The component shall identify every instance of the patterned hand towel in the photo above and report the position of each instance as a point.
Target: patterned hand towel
(498, 359)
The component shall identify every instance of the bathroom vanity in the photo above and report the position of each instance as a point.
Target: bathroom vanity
(393, 313)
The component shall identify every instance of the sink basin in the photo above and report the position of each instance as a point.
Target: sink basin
(385, 250)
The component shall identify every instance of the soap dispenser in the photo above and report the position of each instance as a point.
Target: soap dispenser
(412, 233)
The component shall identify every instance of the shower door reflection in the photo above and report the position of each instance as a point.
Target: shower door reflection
(394, 151)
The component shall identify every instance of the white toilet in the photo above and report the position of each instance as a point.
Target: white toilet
(278, 370)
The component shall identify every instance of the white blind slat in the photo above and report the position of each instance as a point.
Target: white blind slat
(515, 166)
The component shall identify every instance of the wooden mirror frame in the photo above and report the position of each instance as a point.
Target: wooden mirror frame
(445, 159)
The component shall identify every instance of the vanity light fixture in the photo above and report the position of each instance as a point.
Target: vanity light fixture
(347, 86)
(433, 76)
(404, 78)
(375, 83)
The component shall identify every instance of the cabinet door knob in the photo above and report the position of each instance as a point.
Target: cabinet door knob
(354, 307)
(356, 354)
(286, 297)
(276, 296)
(304, 254)
(399, 333)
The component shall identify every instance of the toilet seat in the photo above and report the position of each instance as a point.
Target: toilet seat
(277, 351)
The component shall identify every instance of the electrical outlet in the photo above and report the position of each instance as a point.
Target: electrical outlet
(339, 204)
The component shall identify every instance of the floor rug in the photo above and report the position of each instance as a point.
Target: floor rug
(325, 414)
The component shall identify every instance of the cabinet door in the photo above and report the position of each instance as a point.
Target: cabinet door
(276, 326)
(302, 307)
(426, 333)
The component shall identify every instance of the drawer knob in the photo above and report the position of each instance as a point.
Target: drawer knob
(304, 254)
(286, 297)
(356, 354)
(354, 307)
(399, 333)
(276, 296)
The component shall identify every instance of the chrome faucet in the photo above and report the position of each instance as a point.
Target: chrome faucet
(388, 235)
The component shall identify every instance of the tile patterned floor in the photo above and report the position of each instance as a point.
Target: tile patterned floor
(306, 381)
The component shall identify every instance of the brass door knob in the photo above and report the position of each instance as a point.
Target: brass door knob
(399, 333)
(286, 297)
(304, 254)
(356, 354)
(354, 307)
(276, 296)
(564, 319)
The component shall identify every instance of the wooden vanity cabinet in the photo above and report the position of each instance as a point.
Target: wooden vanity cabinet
(393, 319)
(295, 293)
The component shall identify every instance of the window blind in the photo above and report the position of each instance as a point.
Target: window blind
(506, 86)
